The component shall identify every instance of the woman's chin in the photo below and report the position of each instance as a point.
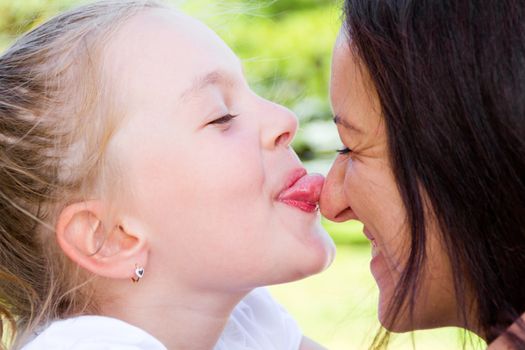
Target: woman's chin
(402, 323)
(400, 326)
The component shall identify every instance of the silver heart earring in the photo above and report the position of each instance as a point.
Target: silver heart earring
(139, 273)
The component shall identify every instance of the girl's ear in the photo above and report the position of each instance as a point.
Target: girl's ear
(111, 251)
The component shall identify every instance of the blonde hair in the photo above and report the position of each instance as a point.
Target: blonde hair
(57, 114)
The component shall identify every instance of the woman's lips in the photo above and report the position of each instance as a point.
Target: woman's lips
(370, 237)
(302, 191)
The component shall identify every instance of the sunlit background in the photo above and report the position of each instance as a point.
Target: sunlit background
(286, 49)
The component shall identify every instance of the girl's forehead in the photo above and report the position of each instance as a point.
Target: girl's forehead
(165, 50)
(165, 31)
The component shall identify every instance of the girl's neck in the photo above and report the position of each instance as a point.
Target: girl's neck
(180, 319)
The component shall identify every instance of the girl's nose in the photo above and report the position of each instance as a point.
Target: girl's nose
(278, 126)
(333, 203)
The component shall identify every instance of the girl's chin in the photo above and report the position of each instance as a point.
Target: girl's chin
(316, 261)
(322, 254)
(329, 252)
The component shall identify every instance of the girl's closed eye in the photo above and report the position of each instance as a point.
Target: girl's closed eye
(224, 119)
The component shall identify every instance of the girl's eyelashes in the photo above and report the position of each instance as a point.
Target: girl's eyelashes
(224, 119)
(345, 150)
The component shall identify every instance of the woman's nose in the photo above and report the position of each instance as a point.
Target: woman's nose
(333, 202)
(278, 126)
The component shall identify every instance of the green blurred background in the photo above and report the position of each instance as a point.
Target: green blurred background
(286, 49)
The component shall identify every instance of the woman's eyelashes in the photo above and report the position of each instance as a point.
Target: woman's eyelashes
(224, 119)
(344, 151)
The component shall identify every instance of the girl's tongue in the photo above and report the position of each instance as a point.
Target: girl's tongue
(304, 194)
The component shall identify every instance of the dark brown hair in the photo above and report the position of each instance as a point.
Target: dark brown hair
(450, 76)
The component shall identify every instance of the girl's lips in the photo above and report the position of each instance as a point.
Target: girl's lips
(303, 192)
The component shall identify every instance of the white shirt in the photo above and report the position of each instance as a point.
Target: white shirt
(257, 323)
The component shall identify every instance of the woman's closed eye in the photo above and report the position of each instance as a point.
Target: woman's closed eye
(344, 151)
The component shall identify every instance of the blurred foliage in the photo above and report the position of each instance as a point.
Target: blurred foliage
(17, 16)
(282, 7)
(285, 46)
(348, 233)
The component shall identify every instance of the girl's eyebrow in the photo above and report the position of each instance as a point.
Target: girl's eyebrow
(215, 77)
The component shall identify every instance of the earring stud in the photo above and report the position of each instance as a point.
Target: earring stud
(139, 273)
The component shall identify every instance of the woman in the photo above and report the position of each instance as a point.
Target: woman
(429, 98)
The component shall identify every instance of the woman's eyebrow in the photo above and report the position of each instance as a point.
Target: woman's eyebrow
(215, 77)
(340, 121)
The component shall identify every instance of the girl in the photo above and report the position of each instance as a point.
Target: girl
(145, 189)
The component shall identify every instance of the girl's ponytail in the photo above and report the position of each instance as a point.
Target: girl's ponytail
(50, 123)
